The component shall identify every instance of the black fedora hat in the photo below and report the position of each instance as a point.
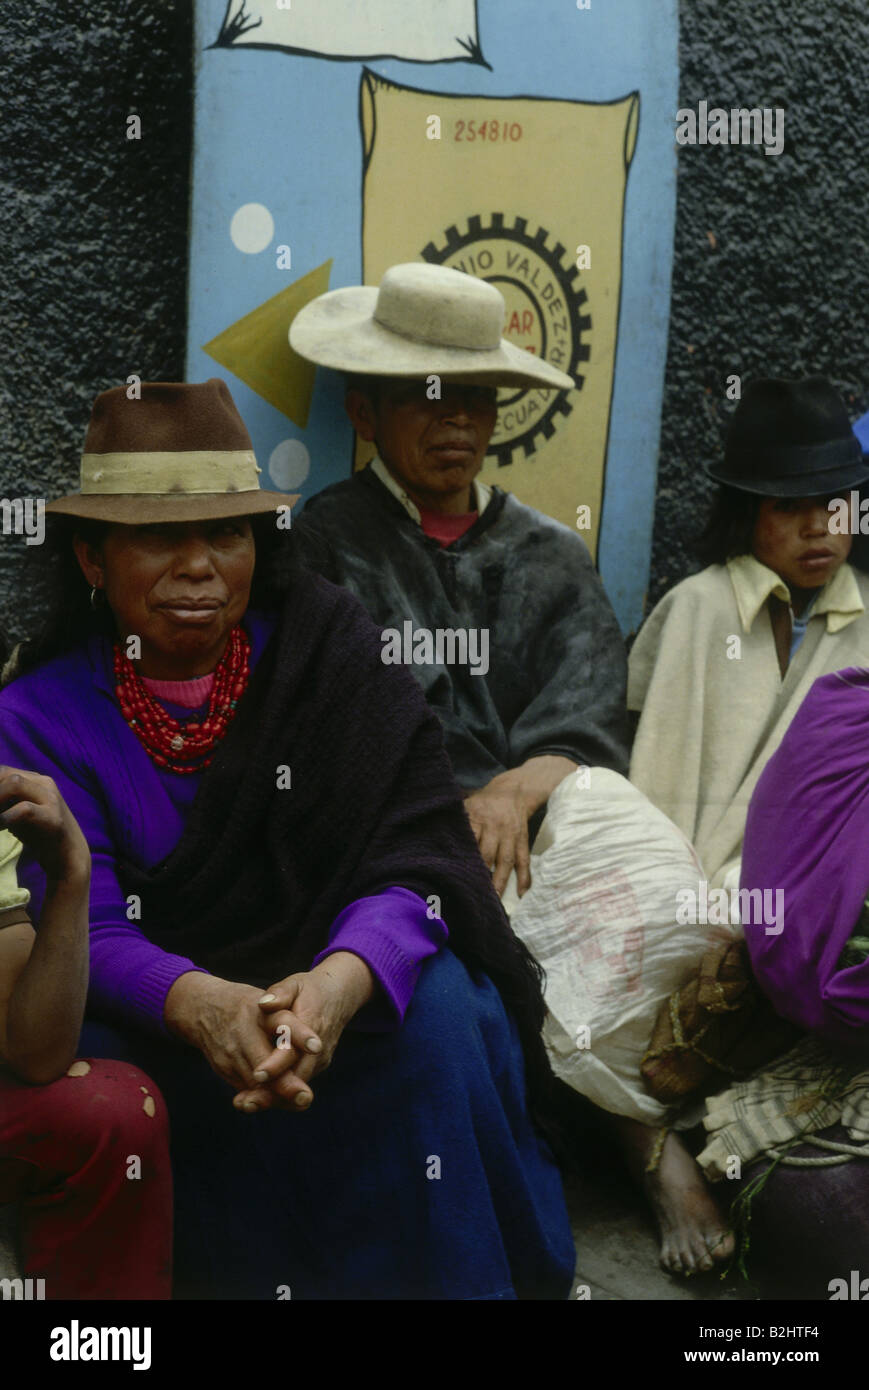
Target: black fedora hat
(791, 439)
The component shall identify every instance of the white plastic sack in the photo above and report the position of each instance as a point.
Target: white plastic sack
(600, 917)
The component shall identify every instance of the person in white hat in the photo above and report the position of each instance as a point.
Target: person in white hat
(497, 608)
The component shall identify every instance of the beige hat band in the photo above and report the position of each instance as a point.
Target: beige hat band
(192, 470)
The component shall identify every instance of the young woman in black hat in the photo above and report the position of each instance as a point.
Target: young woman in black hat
(720, 668)
(722, 664)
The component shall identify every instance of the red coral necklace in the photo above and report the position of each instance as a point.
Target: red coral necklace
(184, 746)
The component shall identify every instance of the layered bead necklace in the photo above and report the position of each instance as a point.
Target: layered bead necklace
(184, 746)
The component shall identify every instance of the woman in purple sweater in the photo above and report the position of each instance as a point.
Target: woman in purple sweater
(270, 808)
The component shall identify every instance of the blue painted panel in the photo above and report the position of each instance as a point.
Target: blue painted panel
(282, 130)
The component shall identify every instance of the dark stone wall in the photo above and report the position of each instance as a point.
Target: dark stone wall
(93, 230)
(770, 274)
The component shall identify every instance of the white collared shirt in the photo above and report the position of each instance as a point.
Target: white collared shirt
(380, 470)
(838, 600)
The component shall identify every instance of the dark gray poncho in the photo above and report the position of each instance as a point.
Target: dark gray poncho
(557, 671)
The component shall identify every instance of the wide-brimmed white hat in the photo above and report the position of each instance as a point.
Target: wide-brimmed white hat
(423, 320)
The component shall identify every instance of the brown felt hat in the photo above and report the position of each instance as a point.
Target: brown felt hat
(174, 452)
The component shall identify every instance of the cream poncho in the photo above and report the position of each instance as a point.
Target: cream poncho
(705, 674)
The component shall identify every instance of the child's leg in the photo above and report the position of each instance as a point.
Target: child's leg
(88, 1157)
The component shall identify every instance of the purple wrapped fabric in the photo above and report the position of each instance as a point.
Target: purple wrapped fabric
(64, 722)
(808, 834)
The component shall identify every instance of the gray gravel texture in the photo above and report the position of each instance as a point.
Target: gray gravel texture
(93, 230)
(770, 274)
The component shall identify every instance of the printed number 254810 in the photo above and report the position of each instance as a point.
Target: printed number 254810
(488, 130)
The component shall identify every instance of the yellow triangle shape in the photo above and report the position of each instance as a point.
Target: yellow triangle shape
(255, 348)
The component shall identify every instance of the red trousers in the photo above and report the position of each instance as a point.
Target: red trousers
(88, 1159)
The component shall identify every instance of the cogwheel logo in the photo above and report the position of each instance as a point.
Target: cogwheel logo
(546, 314)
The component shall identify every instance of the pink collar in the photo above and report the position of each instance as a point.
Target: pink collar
(187, 694)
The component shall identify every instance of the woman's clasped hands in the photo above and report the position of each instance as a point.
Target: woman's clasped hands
(268, 1047)
(305, 1015)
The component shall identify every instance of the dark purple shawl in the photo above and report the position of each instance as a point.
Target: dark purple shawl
(808, 834)
(261, 871)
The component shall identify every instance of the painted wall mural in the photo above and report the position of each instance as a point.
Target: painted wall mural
(482, 198)
(547, 167)
(421, 33)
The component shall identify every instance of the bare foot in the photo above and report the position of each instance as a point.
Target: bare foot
(694, 1234)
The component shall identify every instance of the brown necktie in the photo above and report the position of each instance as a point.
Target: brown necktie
(782, 622)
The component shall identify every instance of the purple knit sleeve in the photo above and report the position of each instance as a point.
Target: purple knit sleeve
(128, 974)
(393, 933)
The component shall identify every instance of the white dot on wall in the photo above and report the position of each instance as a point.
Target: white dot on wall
(252, 227)
(289, 464)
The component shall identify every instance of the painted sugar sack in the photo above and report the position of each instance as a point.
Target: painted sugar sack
(605, 917)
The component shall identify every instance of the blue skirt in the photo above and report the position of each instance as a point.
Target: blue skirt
(416, 1173)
